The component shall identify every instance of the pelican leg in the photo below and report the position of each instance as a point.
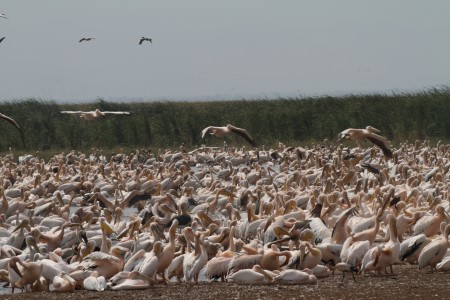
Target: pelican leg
(353, 275)
(343, 276)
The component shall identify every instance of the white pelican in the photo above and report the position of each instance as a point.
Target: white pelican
(106, 265)
(94, 282)
(389, 253)
(192, 267)
(29, 272)
(9, 119)
(433, 253)
(86, 39)
(93, 115)
(430, 225)
(225, 130)
(444, 265)
(2, 15)
(168, 252)
(131, 281)
(344, 267)
(370, 134)
(144, 39)
(63, 283)
(410, 248)
(296, 277)
(256, 275)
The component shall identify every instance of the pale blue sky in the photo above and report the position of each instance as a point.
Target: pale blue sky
(207, 49)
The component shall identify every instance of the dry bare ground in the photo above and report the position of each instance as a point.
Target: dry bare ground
(408, 283)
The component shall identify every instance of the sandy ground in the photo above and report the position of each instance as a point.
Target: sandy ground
(407, 284)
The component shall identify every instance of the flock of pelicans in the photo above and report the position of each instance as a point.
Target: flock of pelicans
(84, 39)
(287, 215)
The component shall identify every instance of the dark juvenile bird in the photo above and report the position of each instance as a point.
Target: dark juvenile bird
(86, 39)
(144, 39)
(10, 120)
(370, 134)
(1, 40)
(225, 130)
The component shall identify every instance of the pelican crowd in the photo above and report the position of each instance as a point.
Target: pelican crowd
(287, 215)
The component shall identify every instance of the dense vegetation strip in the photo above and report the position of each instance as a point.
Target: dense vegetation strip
(408, 116)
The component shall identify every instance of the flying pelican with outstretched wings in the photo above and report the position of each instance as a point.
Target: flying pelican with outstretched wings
(93, 115)
(370, 134)
(10, 120)
(86, 39)
(225, 130)
(144, 39)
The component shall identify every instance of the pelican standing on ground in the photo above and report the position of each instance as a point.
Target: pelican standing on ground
(93, 115)
(433, 253)
(370, 134)
(225, 130)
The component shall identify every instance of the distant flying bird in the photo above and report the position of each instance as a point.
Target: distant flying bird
(10, 120)
(86, 39)
(1, 40)
(144, 39)
(93, 115)
(225, 130)
(3, 16)
(370, 134)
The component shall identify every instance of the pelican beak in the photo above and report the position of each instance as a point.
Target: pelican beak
(145, 278)
(302, 252)
(24, 224)
(88, 250)
(159, 232)
(279, 231)
(107, 228)
(226, 193)
(13, 265)
(327, 211)
(33, 244)
(4, 277)
(205, 218)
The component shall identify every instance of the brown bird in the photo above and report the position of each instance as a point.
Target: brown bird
(225, 130)
(144, 39)
(10, 120)
(370, 134)
(1, 40)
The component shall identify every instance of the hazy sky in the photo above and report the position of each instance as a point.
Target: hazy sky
(220, 49)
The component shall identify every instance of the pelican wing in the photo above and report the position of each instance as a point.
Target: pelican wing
(117, 112)
(243, 133)
(72, 112)
(206, 131)
(380, 142)
(101, 257)
(10, 120)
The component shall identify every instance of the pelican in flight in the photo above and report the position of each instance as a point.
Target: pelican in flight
(86, 39)
(225, 130)
(93, 115)
(10, 120)
(144, 39)
(370, 134)
(1, 40)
